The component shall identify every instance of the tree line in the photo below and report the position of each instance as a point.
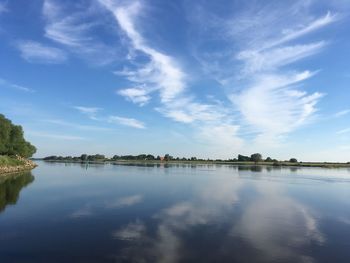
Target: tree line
(12, 141)
(256, 157)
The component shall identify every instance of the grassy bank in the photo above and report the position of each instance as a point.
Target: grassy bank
(10, 161)
(13, 164)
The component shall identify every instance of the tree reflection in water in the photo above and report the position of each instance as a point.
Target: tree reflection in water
(10, 187)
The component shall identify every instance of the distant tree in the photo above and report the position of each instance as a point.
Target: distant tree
(193, 158)
(268, 159)
(256, 157)
(293, 160)
(242, 158)
(98, 157)
(115, 157)
(150, 157)
(52, 157)
(168, 157)
(141, 157)
(83, 157)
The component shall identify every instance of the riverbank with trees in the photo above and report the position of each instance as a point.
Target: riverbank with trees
(14, 149)
(255, 159)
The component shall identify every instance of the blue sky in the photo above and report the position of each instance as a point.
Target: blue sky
(189, 78)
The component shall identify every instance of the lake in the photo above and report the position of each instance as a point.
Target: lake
(175, 213)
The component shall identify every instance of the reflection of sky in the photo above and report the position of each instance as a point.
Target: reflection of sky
(278, 226)
(274, 224)
(182, 213)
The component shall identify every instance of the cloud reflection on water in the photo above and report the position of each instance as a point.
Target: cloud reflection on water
(272, 224)
(90, 209)
(278, 226)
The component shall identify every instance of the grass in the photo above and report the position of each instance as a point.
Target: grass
(9, 161)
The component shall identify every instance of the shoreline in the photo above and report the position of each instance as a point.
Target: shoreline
(156, 162)
(11, 169)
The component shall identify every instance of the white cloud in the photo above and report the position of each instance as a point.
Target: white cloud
(36, 52)
(8, 84)
(344, 131)
(256, 61)
(89, 111)
(291, 34)
(227, 134)
(186, 110)
(258, 46)
(135, 95)
(56, 136)
(342, 113)
(61, 28)
(272, 106)
(3, 7)
(162, 72)
(74, 29)
(127, 122)
(78, 126)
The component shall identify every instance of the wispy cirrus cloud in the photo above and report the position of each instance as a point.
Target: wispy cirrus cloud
(54, 136)
(91, 112)
(272, 106)
(131, 122)
(36, 52)
(77, 126)
(261, 44)
(73, 26)
(163, 74)
(257, 61)
(3, 7)
(10, 85)
(342, 113)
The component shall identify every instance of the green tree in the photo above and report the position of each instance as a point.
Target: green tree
(242, 158)
(293, 160)
(168, 157)
(12, 140)
(256, 157)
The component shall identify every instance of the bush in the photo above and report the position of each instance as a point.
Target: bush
(9, 161)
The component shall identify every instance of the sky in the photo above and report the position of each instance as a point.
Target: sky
(210, 79)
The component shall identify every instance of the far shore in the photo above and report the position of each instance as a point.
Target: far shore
(248, 163)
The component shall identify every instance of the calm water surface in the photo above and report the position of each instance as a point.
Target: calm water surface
(178, 213)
